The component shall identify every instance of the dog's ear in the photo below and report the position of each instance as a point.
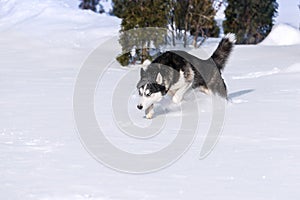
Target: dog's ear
(159, 79)
(142, 73)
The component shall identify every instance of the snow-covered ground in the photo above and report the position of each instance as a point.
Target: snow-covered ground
(56, 23)
(282, 34)
(289, 12)
(42, 47)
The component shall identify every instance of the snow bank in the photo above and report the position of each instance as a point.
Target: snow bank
(288, 12)
(41, 156)
(294, 68)
(282, 34)
(61, 21)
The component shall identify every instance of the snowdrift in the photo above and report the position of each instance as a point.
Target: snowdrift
(61, 21)
(282, 34)
(294, 68)
(41, 156)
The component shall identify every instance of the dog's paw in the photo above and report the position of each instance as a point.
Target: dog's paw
(205, 90)
(176, 99)
(149, 115)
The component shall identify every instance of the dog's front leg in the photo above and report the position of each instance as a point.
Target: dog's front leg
(149, 112)
(180, 92)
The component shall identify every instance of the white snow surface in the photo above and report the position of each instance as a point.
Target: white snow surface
(42, 47)
(288, 13)
(282, 34)
(57, 22)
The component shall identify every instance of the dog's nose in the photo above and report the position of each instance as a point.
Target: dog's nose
(140, 107)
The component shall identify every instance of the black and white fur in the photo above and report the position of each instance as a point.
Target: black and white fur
(175, 72)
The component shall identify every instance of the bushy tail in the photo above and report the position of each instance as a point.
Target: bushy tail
(223, 51)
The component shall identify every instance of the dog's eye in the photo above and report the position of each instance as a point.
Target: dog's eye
(148, 94)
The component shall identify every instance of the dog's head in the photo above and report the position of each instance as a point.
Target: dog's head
(150, 92)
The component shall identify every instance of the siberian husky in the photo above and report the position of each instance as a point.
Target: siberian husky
(175, 72)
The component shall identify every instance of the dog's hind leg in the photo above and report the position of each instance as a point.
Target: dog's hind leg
(178, 96)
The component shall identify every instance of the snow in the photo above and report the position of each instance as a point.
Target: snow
(42, 47)
(293, 68)
(107, 5)
(288, 13)
(282, 34)
(57, 22)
